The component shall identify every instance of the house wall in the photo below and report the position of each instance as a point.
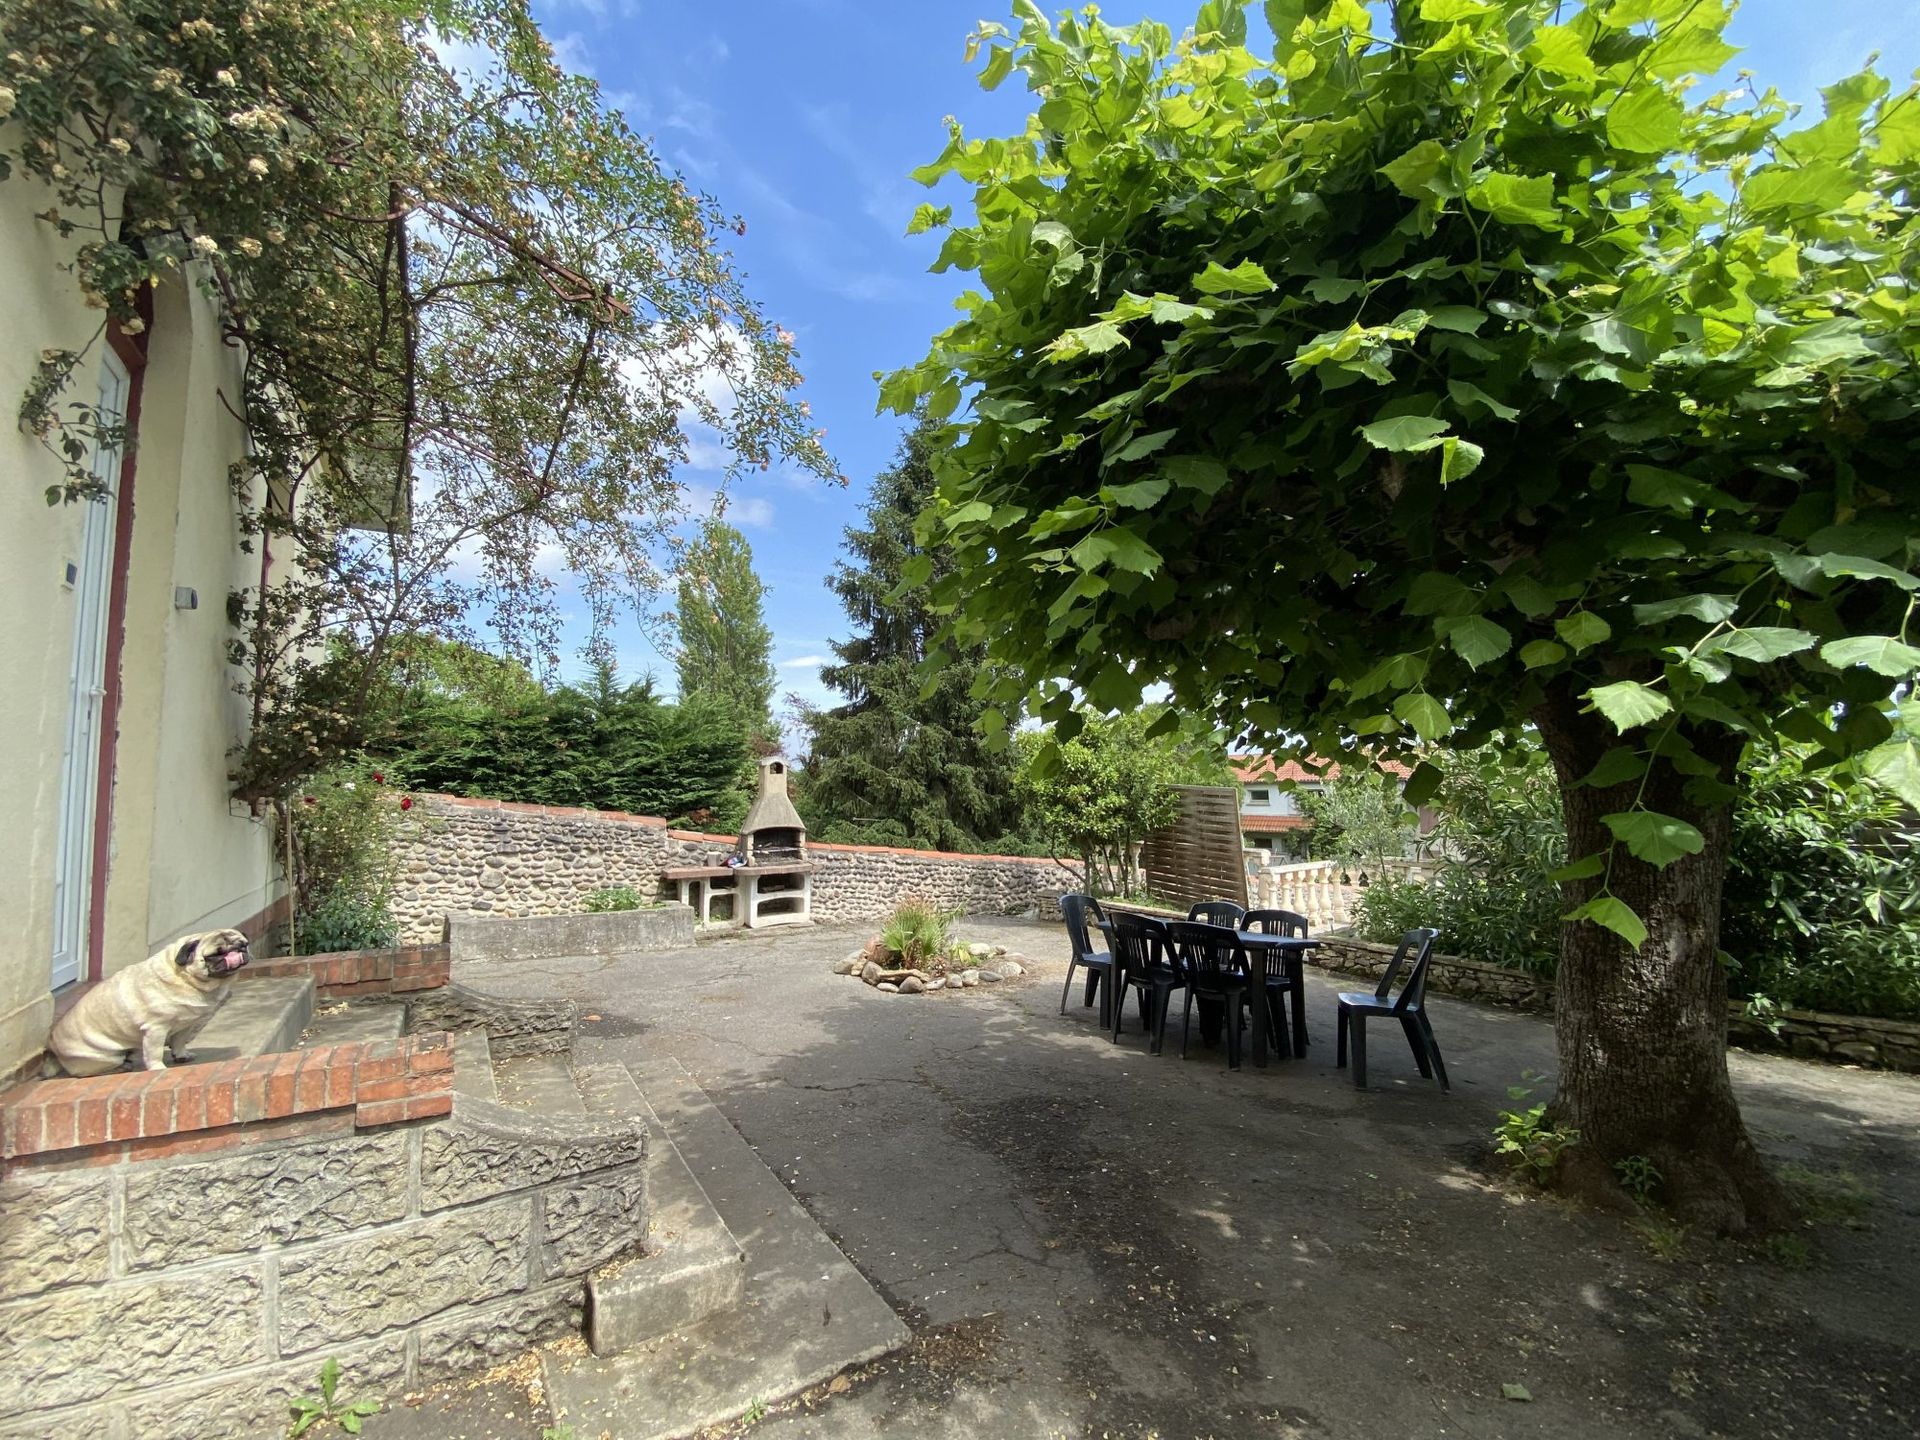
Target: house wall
(180, 859)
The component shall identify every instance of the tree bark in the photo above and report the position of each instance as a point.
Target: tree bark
(1643, 1035)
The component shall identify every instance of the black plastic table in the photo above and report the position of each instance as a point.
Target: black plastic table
(1292, 949)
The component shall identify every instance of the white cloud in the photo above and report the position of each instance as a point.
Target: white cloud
(804, 662)
(749, 512)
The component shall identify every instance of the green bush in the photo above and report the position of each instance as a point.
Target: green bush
(343, 920)
(611, 899)
(917, 931)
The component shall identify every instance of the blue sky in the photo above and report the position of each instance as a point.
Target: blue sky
(805, 116)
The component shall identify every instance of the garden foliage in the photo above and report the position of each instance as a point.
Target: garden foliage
(346, 824)
(726, 649)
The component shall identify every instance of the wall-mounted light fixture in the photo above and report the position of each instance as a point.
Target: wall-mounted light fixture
(185, 597)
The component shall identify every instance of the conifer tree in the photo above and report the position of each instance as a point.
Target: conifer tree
(891, 763)
(726, 649)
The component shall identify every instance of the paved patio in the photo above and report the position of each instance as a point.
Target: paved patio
(1089, 1241)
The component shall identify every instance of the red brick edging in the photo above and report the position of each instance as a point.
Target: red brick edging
(146, 1114)
(345, 973)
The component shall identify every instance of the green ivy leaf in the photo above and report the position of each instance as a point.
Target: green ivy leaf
(1710, 609)
(1458, 458)
(1142, 446)
(1537, 653)
(1140, 495)
(1895, 766)
(1613, 914)
(1422, 783)
(1629, 704)
(1881, 654)
(1858, 567)
(1616, 767)
(1585, 868)
(1763, 643)
(1655, 838)
(1195, 472)
(1423, 173)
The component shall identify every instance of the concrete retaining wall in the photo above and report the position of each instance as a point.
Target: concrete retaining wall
(499, 937)
(197, 1295)
(489, 857)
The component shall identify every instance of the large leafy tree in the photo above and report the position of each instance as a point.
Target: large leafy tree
(1449, 369)
(905, 754)
(726, 649)
(477, 314)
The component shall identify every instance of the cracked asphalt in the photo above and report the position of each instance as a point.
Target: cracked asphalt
(1091, 1241)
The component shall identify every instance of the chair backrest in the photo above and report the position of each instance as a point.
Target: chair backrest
(1209, 954)
(1419, 944)
(1074, 909)
(1276, 922)
(1139, 942)
(1217, 912)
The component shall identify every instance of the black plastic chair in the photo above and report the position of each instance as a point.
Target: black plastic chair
(1288, 984)
(1076, 910)
(1142, 962)
(1409, 1007)
(1215, 969)
(1217, 912)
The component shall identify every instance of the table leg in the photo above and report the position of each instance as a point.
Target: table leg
(1257, 970)
(1297, 983)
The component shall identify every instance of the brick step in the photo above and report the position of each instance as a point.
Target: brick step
(806, 1314)
(259, 1018)
(692, 1266)
(340, 1021)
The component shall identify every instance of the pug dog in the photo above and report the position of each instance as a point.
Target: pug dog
(157, 1005)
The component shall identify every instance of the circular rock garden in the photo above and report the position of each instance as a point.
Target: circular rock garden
(960, 967)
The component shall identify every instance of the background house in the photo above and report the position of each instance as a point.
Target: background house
(1272, 818)
(119, 709)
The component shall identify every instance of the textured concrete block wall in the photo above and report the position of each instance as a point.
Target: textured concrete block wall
(486, 857)
(197, 1296)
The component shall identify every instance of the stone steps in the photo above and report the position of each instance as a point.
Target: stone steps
(259, 1017)
(343, 1022)
(692, 1268)
(538, 1085)
(807, 1313)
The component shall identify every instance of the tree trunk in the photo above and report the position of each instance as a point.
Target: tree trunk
(1643, 1035)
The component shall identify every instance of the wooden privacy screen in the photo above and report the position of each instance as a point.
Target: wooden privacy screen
(1199, 856)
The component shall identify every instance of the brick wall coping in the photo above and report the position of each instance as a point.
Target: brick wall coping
(621, 817)
(342, 973)
(143, 1114)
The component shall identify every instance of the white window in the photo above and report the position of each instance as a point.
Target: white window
(1259, 799)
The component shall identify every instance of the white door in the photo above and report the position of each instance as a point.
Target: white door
(92, 581)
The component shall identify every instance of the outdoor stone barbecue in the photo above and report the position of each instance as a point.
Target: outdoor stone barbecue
(767, 880)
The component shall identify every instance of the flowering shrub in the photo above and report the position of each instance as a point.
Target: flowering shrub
(346, 823)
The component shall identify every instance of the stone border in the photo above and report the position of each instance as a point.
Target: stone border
(514, 1027)
(535, 937)
(907, 981)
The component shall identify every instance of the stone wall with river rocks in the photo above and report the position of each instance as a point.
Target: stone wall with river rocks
(490, 857)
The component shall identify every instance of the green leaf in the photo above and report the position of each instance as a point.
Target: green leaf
(1422, 783)
(1561, 50)
(1195, 472)
(1858, 567)
(1476, 639)
(1460, 319)
(1466, 396)
(1517, 199)
(1808, 188)
(1629, 704)
(1585, 868)
(1423, 173)
(1094, 339)
(1093, 550)
(1655, 838)
(1434, 592)
(1130, 552)
(1710, 609)
(1426, 715)
(1698, 51)
(1616, 767)
(1246, 278)
(928, 216)
(1895, 766)
(1510, 1391)
(1458, 458)
(999, 66)
(1536, 653)
(1140, 495)
(1663, 489)
(1613, 914)
(1582, 630)
(1142, 446)
(1881, 654)
(1645, 121)
(1762, 643)
(1403, 432)
(329, 1379)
